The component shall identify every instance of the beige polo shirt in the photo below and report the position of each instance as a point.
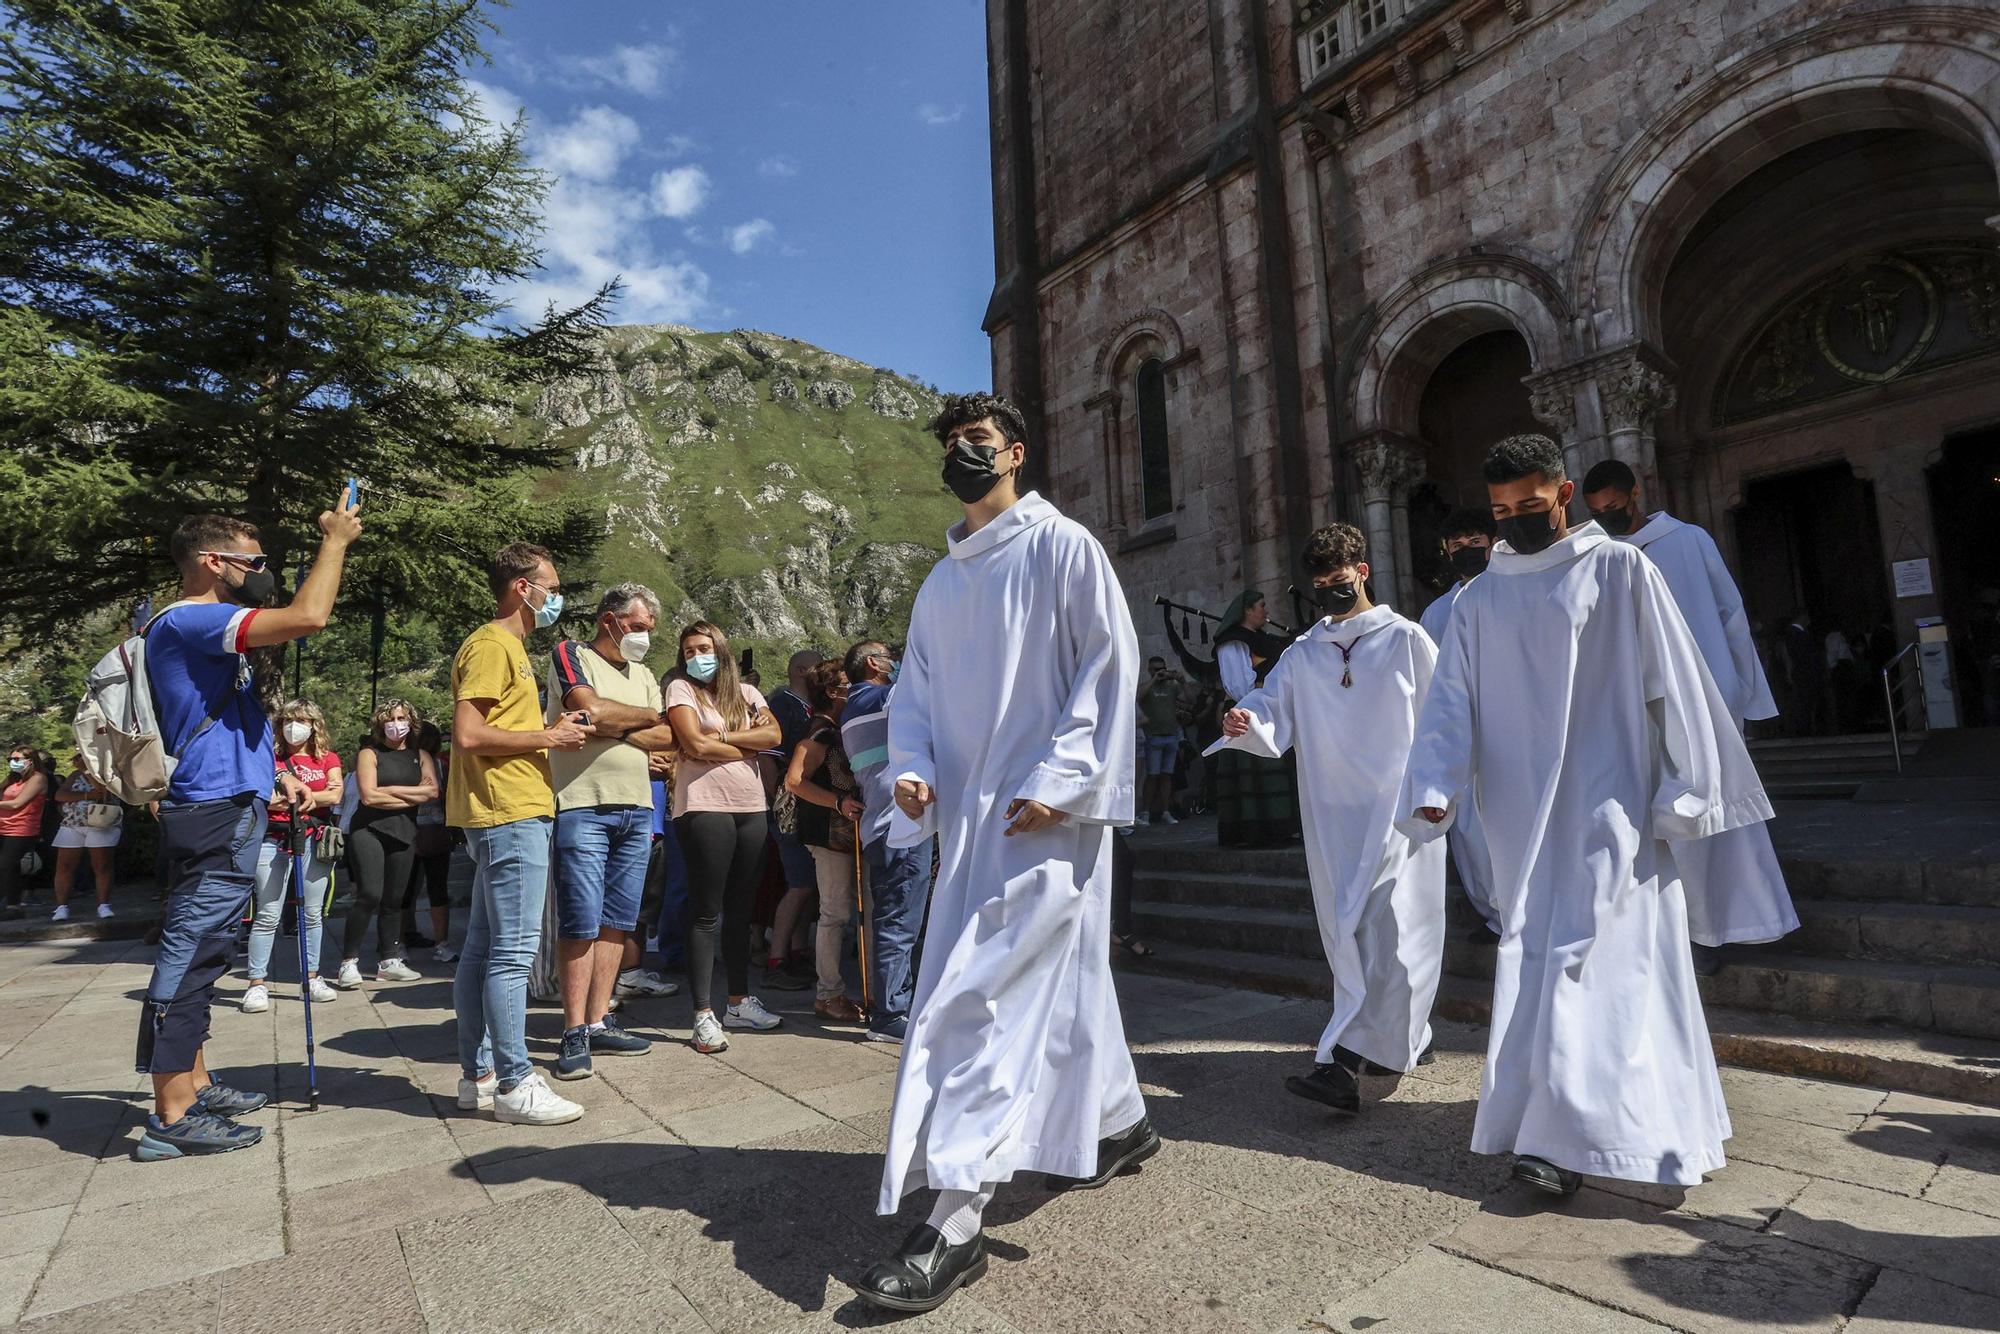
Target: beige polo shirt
(606, 772)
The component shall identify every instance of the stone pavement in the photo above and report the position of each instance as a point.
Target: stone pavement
(735, 1193)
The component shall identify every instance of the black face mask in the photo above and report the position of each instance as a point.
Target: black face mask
(1467, 561)
(1616, 521)
(256, 589)
(1336, 599)
(969, 470)
(1529, 533)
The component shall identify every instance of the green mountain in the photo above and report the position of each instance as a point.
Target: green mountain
(787, 493)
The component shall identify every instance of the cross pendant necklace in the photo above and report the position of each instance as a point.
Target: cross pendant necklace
(1346, 658)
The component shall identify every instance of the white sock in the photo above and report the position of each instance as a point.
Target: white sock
(956, 1213)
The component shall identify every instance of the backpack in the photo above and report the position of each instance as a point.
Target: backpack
(117, 730)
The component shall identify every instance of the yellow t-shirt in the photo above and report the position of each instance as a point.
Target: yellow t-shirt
(488, 790)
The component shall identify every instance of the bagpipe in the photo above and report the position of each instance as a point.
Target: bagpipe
(1268, 643)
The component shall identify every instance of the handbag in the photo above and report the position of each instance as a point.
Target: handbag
(329, 844)
(102, 815)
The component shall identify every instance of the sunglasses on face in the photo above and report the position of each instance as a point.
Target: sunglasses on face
(255, 564)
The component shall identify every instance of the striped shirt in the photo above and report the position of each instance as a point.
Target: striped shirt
(864, 733)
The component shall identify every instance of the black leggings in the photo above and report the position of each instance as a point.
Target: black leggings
(13, 847)
(724, 852)
(382, 864)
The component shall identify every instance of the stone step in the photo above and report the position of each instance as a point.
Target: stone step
(1928, 1064)
(1821, 787)
(1852, 743)
(1287, 931)
(1221, 891)
(1909, 932)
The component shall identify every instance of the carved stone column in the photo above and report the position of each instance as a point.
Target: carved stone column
(1388, 466)
(1634, 392)
(1552, 398)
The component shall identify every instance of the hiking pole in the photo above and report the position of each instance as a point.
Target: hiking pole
(305, 978)
(861, 919)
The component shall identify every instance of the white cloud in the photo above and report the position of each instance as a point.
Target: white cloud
(493, 104)
(646, 70)
(679, 192)
(589, 146)
(674, 145)
(746, 237)
(777, 168)
(930, 113)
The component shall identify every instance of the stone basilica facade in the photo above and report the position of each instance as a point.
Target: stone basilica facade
(1267, 263)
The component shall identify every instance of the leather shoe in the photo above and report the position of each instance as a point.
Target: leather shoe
(1545, 1175)
(1330, 1083)
(926, 1270)
(1361, 1065)
(1114, 1155)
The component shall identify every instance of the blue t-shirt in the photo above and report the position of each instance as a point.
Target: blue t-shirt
(195, 658)
(864, 735)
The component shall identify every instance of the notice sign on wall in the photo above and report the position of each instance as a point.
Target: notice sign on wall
(1913, 578)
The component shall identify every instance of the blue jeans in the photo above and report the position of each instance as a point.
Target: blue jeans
(210, 851)
(673, 895)
(601, 857)
(510, 882)
(899, 882)
(274, 886)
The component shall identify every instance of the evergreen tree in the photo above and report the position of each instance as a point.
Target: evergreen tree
(249, 248)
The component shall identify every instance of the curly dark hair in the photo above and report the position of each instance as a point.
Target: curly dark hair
(1334, 547)
(964, 409)
(1521, 456)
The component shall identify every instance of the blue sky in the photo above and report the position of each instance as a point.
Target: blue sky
(816, 169)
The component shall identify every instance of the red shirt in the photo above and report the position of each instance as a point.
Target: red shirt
(27, 821)
(316, 772)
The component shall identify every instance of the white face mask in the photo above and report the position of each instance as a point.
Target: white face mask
(395, 729)
(635, 646)
(298, 733)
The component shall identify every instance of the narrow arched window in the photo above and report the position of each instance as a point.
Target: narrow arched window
(1156, 476)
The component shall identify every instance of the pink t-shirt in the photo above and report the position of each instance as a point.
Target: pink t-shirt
(706, 785)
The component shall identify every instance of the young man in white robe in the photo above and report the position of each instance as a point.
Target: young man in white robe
(1735, 888)
(1467, 537)
(1011, 739)
(1571, 707)
(1345, 698)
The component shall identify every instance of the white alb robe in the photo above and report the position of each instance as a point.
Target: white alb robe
(1571, 706)
(1018, 682)
(1379, 897)
(1466, 852)
(1735, 888)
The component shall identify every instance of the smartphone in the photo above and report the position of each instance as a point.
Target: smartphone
(353, 492)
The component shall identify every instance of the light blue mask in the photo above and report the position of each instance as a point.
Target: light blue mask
(895, 672)
(702, 667)
(550, 611)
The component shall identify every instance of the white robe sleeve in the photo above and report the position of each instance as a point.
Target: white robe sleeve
(1087, 772)
(910, 752)
(1440, 769)
(1752, 697)
(1707, 783)
(1239, 671)
(1271, 715)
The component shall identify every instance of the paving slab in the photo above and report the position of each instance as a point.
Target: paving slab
(1915, 1236)
(1436, 1293)
(1745, 1194)
(117, 1251)
(419, 1143)
(190, 1305)
(731, 1124)
(1902, 1303)
(359, 1285)
(1785, 1097)
(381, 1202)
(1819, 1151)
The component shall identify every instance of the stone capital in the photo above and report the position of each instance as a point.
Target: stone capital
(1634, 392)
(1388, 465)
(1552, 398)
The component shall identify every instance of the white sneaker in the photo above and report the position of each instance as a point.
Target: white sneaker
(350, 975)
(323, 994)
(104, 910)
(644, 982)
(708, 1034)
(1168, 818)
(477, 1096)
(61, 914)
(750, 1014)
(257, 999)
(1143, 821)
(445, 954)
(533, 1103)
(395, 970)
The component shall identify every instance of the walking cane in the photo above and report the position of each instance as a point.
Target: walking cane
(861, 919)
(305, 981)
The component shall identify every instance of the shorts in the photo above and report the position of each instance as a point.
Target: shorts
(600, 864)
(1163, 755)
(800, 873)
(83, 836)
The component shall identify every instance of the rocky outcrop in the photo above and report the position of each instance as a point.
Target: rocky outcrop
(730, 388)
(834, 394)
(889, 399)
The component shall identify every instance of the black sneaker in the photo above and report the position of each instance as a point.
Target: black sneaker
(1332, 1084)
(1546, 1176)
(574, 1063)
(1708, 960)
(1361, 1065)
(1114, 1155)
(925, 1271)
(784, 978)
(221, 1100)
(613, 1040)
(196, 1133)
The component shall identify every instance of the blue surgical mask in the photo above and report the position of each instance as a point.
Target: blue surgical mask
(551, 609)
(702, 667)
(895, 670)
(17, 766)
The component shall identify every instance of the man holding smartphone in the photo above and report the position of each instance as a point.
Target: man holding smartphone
(212, 818)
